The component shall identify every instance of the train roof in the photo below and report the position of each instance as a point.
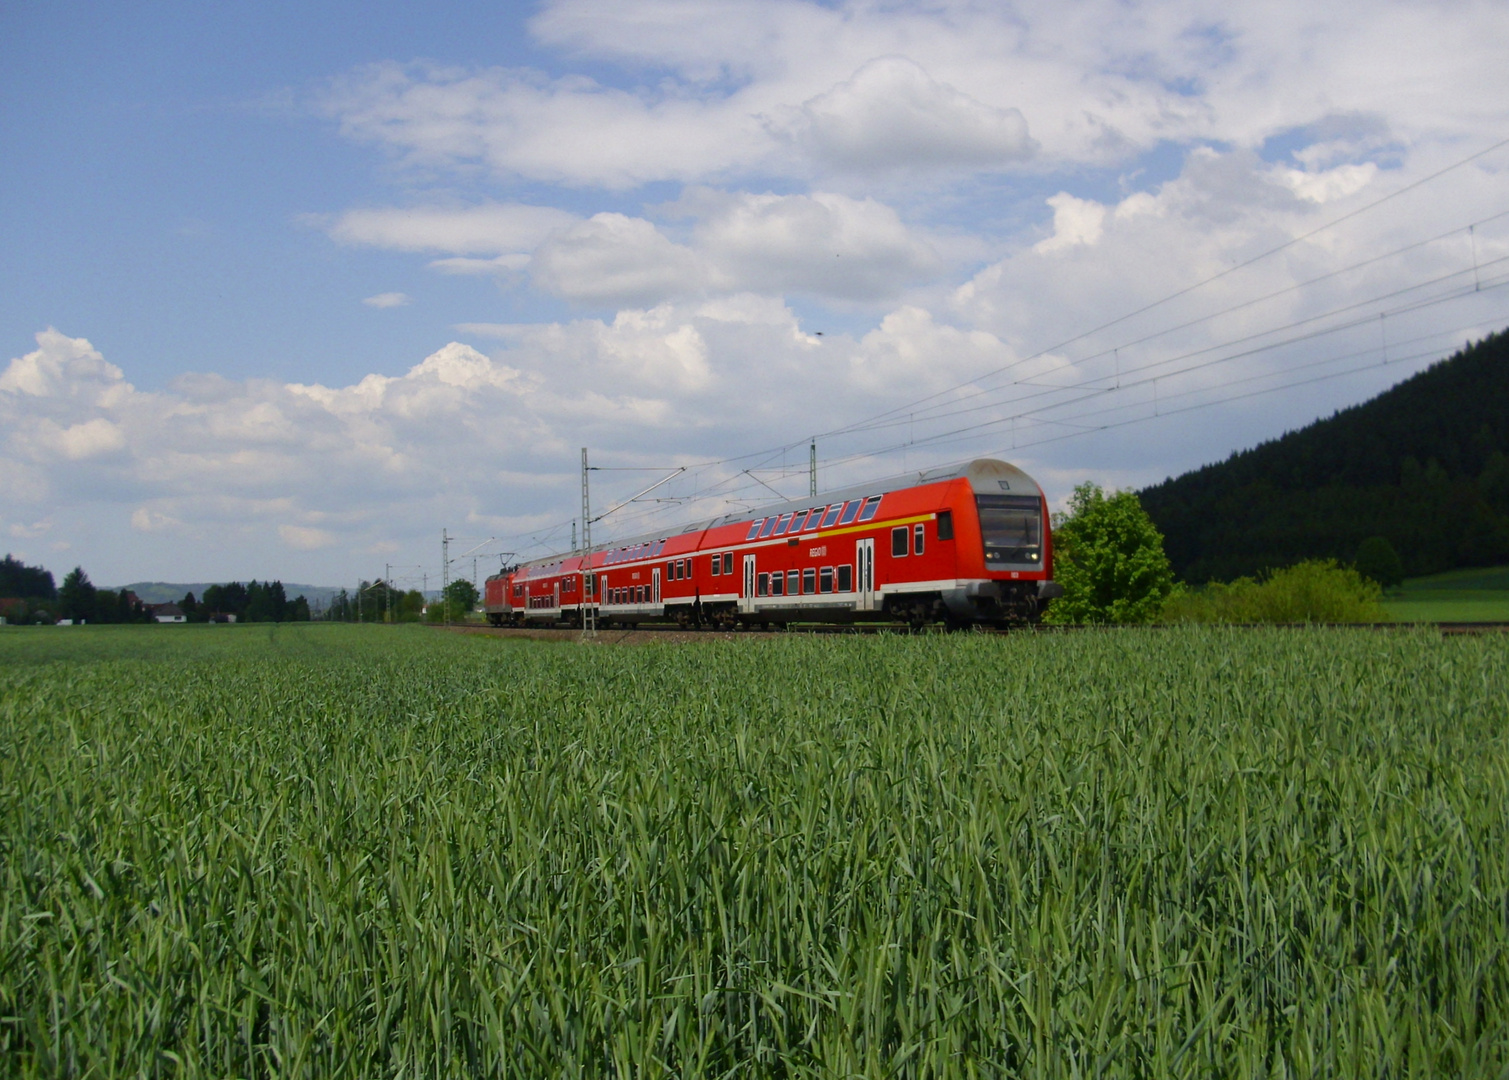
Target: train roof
(985, 476)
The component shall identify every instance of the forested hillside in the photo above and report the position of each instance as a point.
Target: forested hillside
(1424, 464)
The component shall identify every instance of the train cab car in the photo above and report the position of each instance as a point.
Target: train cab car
(966, 545)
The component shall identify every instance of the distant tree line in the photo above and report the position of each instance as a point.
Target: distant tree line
(81, 601)
(256, 601)
(27, 595)
(1423, 467)
(25, 582)
(380, 601)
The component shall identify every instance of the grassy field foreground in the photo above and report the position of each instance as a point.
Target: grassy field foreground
(324, 850)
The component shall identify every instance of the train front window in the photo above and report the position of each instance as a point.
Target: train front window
(1012, 526)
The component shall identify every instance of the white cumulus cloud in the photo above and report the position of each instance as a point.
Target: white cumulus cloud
(892, 114)
(615, 259)
(487, 229)
(387, 300)
(304, 538)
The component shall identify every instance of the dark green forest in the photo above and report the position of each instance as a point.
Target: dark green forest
(1424, 464)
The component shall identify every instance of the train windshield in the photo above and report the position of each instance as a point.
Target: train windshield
(1012, 526)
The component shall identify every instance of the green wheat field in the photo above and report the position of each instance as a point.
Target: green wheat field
(340, 851)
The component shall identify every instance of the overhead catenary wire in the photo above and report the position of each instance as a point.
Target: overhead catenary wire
(1187, 290)
(727, 489)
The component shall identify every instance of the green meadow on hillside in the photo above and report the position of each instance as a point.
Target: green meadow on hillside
(340, 851)
(1480, 595)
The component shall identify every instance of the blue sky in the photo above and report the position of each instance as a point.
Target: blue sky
(284, 291)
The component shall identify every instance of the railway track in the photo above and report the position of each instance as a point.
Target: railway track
(676, 633)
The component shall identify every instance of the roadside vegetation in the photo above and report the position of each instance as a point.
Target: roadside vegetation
(316, 850)
(1315, 591)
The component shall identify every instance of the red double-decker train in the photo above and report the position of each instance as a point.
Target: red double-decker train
(964, 546)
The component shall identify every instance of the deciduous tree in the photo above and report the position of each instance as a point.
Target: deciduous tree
(1109, 558)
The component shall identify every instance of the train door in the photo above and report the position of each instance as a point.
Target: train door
(555, 596)
(864, 573)
(746, 598)
(655, 586)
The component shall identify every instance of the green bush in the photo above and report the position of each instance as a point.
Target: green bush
(1314, 591)
(1109, 558)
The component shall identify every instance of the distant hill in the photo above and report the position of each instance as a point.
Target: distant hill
(1425, 464)
(160, 592)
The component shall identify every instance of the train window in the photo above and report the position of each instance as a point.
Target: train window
(945, 524)
(814, 518)
(768, 528)
(728, 562)
(762, 585)
(809, 581)
(846, 578)
(754, 528)
(670, 571)
(777, 584)
(825, 579)
(796, 522)
(793, 582)
(780, 528)
(898, 542)
(1012, 529)
(717, 566)
(832, 515)
(849, 512)
(919, 532)
(686, 569)
(872, 504)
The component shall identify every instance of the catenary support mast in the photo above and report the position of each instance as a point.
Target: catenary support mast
(589, 581)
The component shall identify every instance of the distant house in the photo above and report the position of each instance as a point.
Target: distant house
(222, 617)
(168, 613)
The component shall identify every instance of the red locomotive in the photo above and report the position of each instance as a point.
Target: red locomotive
(965, 545)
